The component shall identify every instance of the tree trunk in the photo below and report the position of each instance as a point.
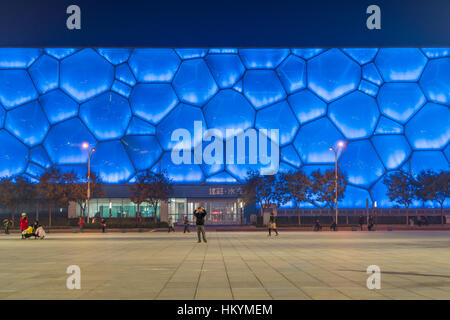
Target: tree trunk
(407, 216)
(50, 215)
(155, 213)
(442, 213)
(298, 216)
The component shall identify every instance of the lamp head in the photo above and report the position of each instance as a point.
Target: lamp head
(85, 145)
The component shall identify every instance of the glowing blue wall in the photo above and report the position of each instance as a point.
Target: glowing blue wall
(391, 105)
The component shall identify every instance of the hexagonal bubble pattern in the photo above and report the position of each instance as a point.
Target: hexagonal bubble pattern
(429, 128)
(18, 57)
(263, 58)
(392, 149)
(263, 87)
(144, 151)
(361, 164)
(124, 74)
(16, 88)
(379, 194)
(45, 73)
(400, 64)
(436, 52)
(307, 106)
(368, 88)
(141, 127)
(278, 116)
(361, 55)
(229, 110)
(39, 155)
(370, 73)
(154, 65)
(225, 68)
(86, 74)
(333, 74)
(58, 106)
(64, 142)
(290, 156)
(107, 116)
(188, 173)
(59, 53)
(112, 162)
(34, 170)
(2, 116)
(182, 117)
(222, 177)
(425, 160)
(314, 140)
(14, 156)
(400, 101)
(162, 100)
(447, 153)
(388, 126)
(355, 197)
(187, 53)
(435, 81)
(121, 88)
(356, 115)
(115, 55)
(307, 53)
(194, 83)
(292, 73)
(28, 123)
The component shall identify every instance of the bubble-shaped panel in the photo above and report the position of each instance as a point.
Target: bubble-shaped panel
(361, 55)
(307, 53)
(59, 53)
(107, 116)
(16, 88)
(379, 194)
(124, 74)
(314, 140)
(429, 128)
(229, 110)
(141, 127)
(39, 155)
(18, 57)
(400, 101)
(278, 116)
(64, 142)
(58, 106)
(435, 81)
(144, 151)
(436, 52)
(368, 88)
(447, 153)
(121, 88)
(225, 68)
(115, 55)
(333, 74)
(189, 53)
(356, 115)
(428, 160)
(290, 155)
(222, 177)
(154, 65)
(14, 156)
(355, 198)
(2, 116)
(370, 73)
(153, 102)
(194, 83)
(361, 164)
(238, 87)
(263, 58)
(388, 126)
(307, 106)
(188, 173)
(400, 64)
(216, 166)
(182, 117)
(111, 162)
(263, 87)
(45, 74)
(28, 123)
(392, 149)
(292, 73)
(34, 170)
(86, 74)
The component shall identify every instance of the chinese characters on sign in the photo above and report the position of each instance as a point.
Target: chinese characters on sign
(225, 191)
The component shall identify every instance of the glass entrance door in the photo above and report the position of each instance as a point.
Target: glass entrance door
(220, 211)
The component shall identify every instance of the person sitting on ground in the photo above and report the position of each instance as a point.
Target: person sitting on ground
(24, 221)
(36, 225)
(40, 233)
(199, 215)
(317, 226)
(27, 233)
(272, 224)
(186, 224)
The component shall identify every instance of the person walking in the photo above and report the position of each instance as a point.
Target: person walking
(186, 224)
(199, 215)
(6, 224)
(103, 224)
(361, 222)
(81, 224)
(24, 221)
(171, 225)
(273, 224)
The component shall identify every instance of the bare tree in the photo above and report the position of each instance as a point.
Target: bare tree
(260, 189)
(298, 186)
(323, 187)
(138, 193)
(78, 188)
(401, 189)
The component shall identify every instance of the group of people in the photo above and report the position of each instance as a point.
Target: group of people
(27, 230)
(370, 223)
(102, 224)
(199, 216)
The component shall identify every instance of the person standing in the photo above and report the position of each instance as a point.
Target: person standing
(6, 224)
(81, 224)
(24, 221)
(333, 226)
(199, 215)
(103, 224)
(273, 224)
(186, 224)
(361, 222)
(171, 225)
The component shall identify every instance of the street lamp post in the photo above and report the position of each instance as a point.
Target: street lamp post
(90, 153)
(340, 145)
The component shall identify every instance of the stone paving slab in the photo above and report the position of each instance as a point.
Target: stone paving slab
(232, 265)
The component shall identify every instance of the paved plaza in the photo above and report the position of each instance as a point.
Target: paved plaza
(232, 265)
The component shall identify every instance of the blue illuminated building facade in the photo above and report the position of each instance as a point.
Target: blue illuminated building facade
(391, 105)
